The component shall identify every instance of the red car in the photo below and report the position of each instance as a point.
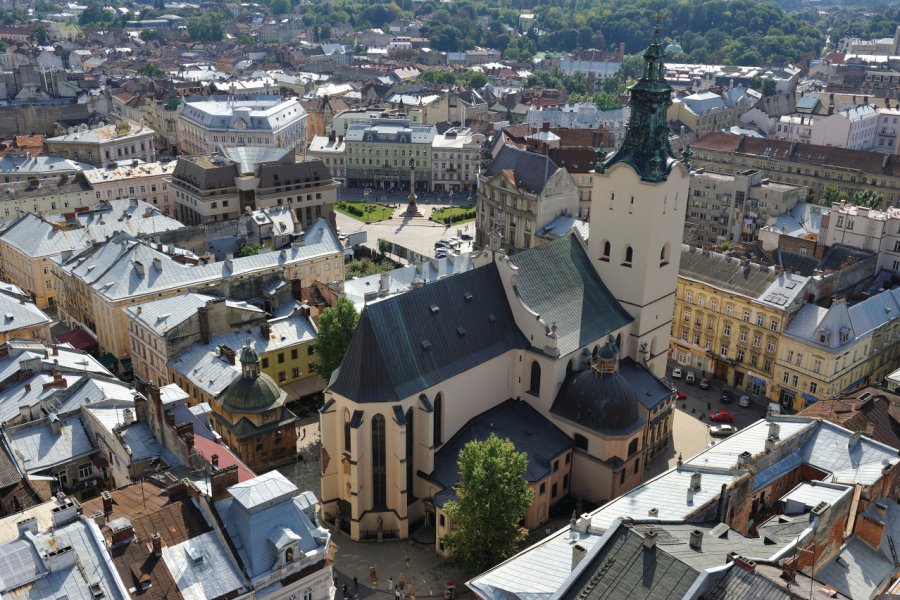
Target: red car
(721, 416)
(681, 395)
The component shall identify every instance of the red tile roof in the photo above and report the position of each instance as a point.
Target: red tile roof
(207, 448)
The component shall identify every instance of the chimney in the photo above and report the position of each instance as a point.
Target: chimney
(222, 480)
(265, 330)
(696, 539)
(789, 569)
(55, 423)
(695, 481)
(170, 418)
(139, 268)
(107, 502)
(653, 512)
(854, 440)
(384, 283)
(29, 524)
(127, 416)
(745, 564)
(690, 496)
(27, 388)
(650, 539)
(578, 554)
(122, 533)
(203, 316)
(156, 540)
(215, 461)
(770, 443)
(157, 263)
(774, 430)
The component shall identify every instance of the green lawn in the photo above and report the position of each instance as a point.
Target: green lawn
(357, 210)
(456, 214)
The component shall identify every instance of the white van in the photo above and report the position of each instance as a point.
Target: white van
(774, 408)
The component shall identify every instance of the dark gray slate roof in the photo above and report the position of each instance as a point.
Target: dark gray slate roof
(623, 568)
(515, 420)
(531, 170)
(604, 402)
(743, 585)
(558, 282)
(725, 272)
(413, 341)
(648, 388)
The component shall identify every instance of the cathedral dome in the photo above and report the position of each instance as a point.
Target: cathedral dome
(674, 48)
(604, 402)
(253, 391)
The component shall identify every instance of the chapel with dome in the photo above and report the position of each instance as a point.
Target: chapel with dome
(252, 417)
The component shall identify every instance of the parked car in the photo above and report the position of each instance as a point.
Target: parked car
(466, 236)
(676, 373)
(721, 430)
(744, 402)
(442, 244)
(704, 384)
(440, 254)
(681, 395)
(690, 378)
(721, 416)
(727, 397)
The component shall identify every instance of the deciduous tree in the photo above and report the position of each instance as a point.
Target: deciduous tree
(493, 497)
(336, 327)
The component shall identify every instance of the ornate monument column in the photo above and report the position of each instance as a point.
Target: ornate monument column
(412, 209)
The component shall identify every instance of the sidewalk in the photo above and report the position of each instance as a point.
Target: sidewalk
(425, 576)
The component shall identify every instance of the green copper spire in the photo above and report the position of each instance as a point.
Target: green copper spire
(646, 144)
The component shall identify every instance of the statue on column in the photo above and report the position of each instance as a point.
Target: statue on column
(412, 209)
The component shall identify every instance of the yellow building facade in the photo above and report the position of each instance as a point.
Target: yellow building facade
(729, 315)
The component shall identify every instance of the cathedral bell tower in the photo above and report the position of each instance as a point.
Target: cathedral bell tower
(638, 207)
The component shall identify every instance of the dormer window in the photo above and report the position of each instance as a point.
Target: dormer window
(289, 555)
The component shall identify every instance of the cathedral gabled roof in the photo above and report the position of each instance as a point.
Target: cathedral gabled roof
(405, 344)
(558, 282)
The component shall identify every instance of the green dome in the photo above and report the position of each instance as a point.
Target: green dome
(252, 394)
(674, 48)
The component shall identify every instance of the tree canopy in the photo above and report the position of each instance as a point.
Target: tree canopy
(493, 497)
(868, 199)
(336, 327)
(209, 27)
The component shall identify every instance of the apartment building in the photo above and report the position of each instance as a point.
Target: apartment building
(381, 152)
(95, 285)
(456, 158)
(830, 351)
(729, 314)
(798, 164)
(30, 242)
(519, 194)
(331, 150)
(877, 231)
(208, 123)
(220, 187)
(51, 195)
(146, 182)
(105, 145)
(706, 112)
(733, 208)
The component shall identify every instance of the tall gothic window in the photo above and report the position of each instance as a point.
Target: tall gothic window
(535, 387)
(379, 468)
(346, 430)
(410, 446)
(438, 407)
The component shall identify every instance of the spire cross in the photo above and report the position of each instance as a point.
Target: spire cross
(656, 29)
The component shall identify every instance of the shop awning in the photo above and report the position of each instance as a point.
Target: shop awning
(109, 361)
(78, 338)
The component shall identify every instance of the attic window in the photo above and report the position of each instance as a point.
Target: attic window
(426, 345)
(435, 309)
(468, 296)
(461, 331)
(492, 318)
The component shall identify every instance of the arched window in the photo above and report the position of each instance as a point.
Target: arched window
(629, 255)
(379, 470)
(347, 444)
(535, 387)
(438, 407)
(632, 447)
(664, 255)
(410, 447)
(606, 250)
(289, 555)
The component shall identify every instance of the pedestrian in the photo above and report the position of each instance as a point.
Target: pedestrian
(407, 562)
(546, 531)
(397, 594)
(390, 583)
(355, 585)
(345, 591)
(709, 406)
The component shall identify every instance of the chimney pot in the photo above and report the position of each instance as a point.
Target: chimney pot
(696, 539)
(695, 481)
(650, 539)
(107, 502)
(578, 554)
(157, 544)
